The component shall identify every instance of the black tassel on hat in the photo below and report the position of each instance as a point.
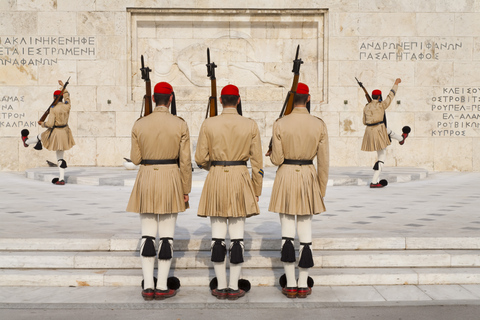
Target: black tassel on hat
(173, 105)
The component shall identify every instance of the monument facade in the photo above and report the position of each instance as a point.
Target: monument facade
(432, 45)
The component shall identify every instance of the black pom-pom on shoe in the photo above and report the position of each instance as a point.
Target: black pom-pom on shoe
(213, 283)
(244, 285)
(173, 283)
(283, 281)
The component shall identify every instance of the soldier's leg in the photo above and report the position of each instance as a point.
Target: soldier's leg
(166, 231)
(288, 253)
(219, 251)
(381, 154)
(62, 164)
(147, 252)
(394, 135)
(304, 230)
(29, 141)
(236, 227)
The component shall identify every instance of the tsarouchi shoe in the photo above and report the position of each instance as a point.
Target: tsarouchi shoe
(148, 294)
(304, 292)
(220, 293)
(235, 294)
(290, 292)
(164, 294)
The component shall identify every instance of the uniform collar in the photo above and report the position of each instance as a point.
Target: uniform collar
(160, 109)
(300, 110)
(229, 111)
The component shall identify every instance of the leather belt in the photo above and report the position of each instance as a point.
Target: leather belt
(297, 162)
(374, 124)
(229, 163)
(162, 161)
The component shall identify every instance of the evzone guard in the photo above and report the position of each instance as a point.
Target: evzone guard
(225, 143)
(298, 189)
(377, 135)
(58, 136)
(161, 146)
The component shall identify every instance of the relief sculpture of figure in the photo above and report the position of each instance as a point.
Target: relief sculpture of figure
(58, 136)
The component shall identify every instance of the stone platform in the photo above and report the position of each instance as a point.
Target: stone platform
(409, 243)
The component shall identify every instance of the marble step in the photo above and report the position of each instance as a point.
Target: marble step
(252, 242)
(253, 259)
(262, 277)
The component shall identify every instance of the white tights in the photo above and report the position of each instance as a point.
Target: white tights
(236, 228)
(304, 230)
(34, 141)
(382, 155)
(164, 226)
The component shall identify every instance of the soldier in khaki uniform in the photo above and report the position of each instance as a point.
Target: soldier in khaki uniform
(161, 146)
(298, 189)
(58, 137)
(229, 195)
(377, 136)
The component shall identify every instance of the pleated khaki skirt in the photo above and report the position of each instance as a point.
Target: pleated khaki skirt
(375, 138)
(296, 191)
(158, 189)
(58, 139)
(228, 192)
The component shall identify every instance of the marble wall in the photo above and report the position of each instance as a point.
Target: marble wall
(433, 45)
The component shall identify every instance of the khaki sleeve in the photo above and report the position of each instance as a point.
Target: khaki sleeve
(135, 154)
(202, 156)
(277, 155)
(323, 160)
(256, 160)
(50, 122)
(363, 118)
(185, 160)
(66, 97)
(386, 103)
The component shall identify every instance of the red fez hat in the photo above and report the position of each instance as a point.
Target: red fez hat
(57, 93)
(376, 92)
(230, 90)
(302, 88)
(163, 88)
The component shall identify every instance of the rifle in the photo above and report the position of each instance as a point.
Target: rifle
(147, 98)
(212, 101)
(288, 104)
(54, 103)
(369, 99)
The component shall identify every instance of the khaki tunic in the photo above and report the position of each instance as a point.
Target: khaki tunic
(376, 137)
(58, 138)
(229, 191)
(299, 190)
(160, 188)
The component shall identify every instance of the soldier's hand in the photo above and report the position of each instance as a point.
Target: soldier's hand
(60, 82)
(398, 81)
(257, 198)
(185, 198)
(268, 153)
(40, 123)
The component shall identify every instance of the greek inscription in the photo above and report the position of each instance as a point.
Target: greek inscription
(406, 50)
(458, 112)
(10, 117)
(38, 51)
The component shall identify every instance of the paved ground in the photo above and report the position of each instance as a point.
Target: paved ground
(439, 205)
